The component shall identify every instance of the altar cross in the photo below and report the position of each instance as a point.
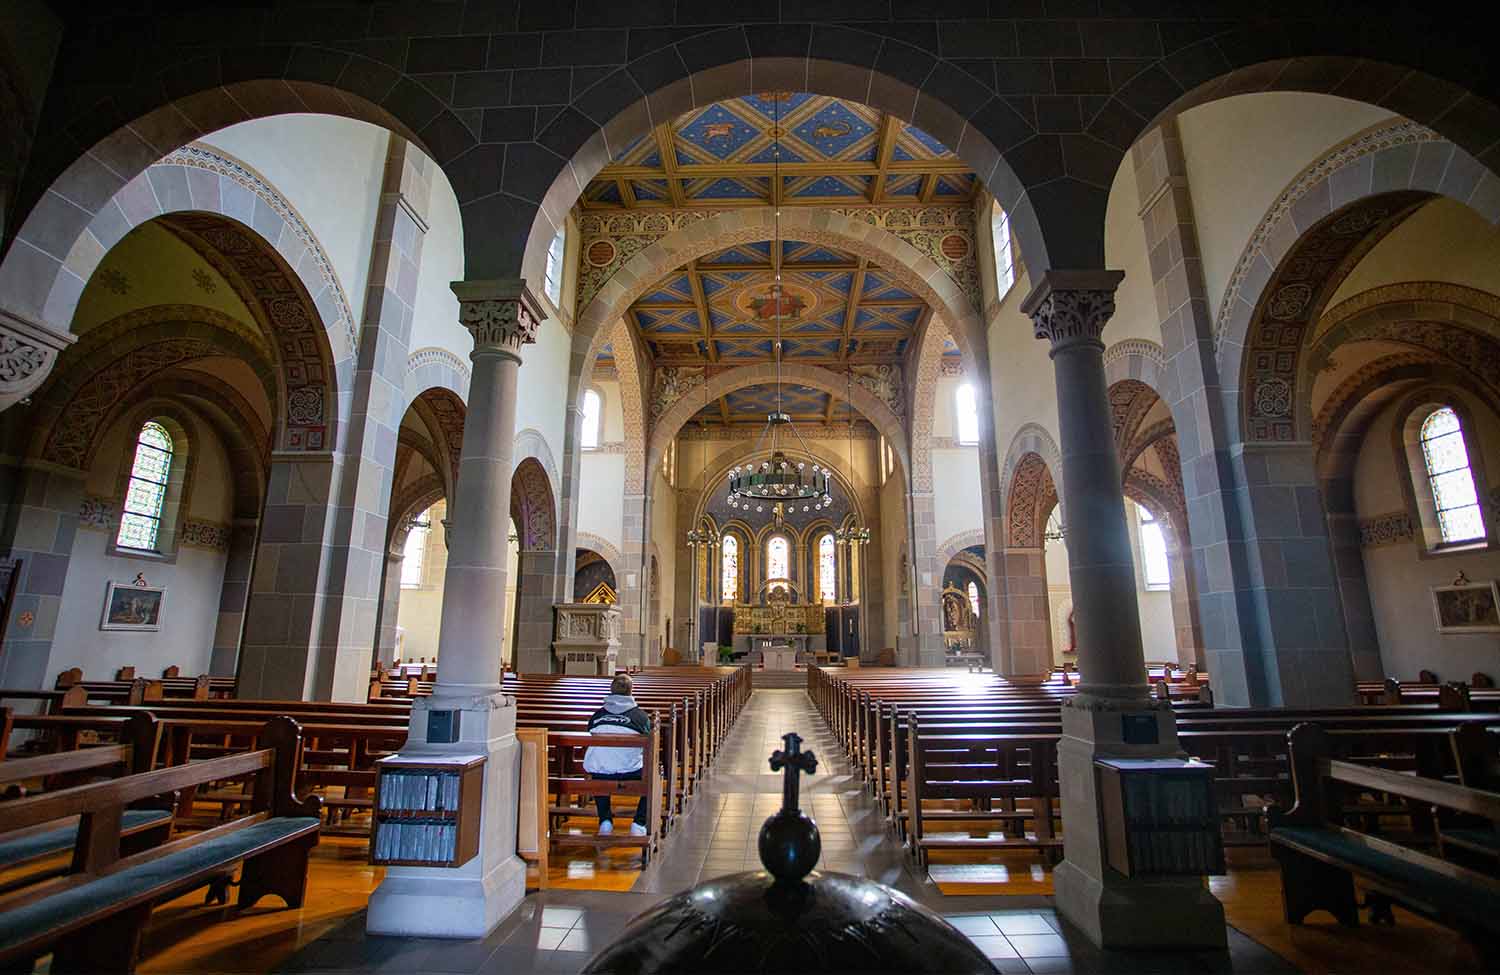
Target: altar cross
(792, 760)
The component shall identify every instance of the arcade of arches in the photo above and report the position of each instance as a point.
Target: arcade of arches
(1131, 347)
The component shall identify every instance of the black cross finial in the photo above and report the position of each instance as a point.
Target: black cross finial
(793, 760)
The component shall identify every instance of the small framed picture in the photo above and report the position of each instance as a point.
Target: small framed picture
(133, 607)
(1467, 607)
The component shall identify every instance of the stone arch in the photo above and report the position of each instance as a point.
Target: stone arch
(632, 369)
(1031, 438)
(248, 231)
(431, 367)
(1310, 238)
(443, 412)
(1139, 359)
(929, 365)
(532, 506)
(1029, 501)
(414, 499)
(957, 543)
(605, 549)
(76, 406)
(677, 414)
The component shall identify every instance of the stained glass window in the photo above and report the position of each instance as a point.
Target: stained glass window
(974, 598)
(554, 274)
(968, 415)
(1005, 262)
(1448, 474)
(415, 551)
(778, 559)
(146, 493)
(1153, 551)
(827, 569)
(729, 562)
(590, 420)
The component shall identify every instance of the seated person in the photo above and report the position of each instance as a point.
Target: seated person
(619, 716)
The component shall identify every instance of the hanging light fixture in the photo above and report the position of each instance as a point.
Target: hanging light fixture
(853, 533)
(778, 480)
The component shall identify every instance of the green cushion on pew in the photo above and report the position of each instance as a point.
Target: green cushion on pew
(26, 848)
(22, 923)
(1452, 897)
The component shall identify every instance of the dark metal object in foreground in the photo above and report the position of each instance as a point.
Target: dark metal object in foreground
(775, 921)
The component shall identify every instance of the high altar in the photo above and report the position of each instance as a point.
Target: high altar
(778, 622)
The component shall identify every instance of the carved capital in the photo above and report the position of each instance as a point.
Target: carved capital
(28, 351)
(501, 315)
(1072, 307)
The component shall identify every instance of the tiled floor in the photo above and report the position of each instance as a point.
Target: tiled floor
(559, 930)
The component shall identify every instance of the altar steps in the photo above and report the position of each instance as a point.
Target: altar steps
(778, 679)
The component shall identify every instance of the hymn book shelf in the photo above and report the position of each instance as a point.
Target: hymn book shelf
(427, 811)
(1160, 817)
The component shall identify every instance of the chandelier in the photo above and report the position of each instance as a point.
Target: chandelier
(779, 480)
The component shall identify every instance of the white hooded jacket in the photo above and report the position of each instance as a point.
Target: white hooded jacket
(619, 716)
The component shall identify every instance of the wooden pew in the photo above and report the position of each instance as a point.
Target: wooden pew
(92, 919)
(566, 778)
(1320, 854)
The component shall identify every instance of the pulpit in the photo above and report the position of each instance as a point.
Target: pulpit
(586, 640)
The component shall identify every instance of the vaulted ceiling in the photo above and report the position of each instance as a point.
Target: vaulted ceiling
(835, 309)
(832, 152)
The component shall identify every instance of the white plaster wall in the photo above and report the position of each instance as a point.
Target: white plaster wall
(543, 386)
(1443, 241)
(1021, 378)
(193, 579)
(612, 423)
(330, 169)
(601, 504)
(956, 496)
(435, 318)
(1241, 152)
(1400, 576)
(1125, 250)
(420, 614)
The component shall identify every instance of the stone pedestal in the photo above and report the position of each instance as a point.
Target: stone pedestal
(466, 901)
(1116, 911)
(587, 639)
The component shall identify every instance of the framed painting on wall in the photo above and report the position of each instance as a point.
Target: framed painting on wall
(1467, 607)
(133, 607)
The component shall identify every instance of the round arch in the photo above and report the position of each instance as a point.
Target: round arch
(875, 410)
(532, 506)
(1031, 438)
(957, 543)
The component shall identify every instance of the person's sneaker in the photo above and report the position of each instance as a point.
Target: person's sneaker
(636, 829)
(606, 828)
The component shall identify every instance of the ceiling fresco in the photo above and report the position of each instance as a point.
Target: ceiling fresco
(834, 309)
(832, 151)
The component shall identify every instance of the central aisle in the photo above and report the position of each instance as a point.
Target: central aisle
(718, 835)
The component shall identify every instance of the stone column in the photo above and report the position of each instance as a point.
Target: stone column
(635, 581)
(467, 902)
(390, 606)
(1028, 623)
(535, 569)
(1070, 309)
(238, 568)
(927, 600)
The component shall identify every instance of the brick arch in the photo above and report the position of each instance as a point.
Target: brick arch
(532, 506)
(875, 410)
(1307, 242)
(77, 404)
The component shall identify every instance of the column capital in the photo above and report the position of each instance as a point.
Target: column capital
(28, 350)
(1069, 307)
(501, 314)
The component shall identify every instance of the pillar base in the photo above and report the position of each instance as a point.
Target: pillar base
(1113, 910)
(470, 900)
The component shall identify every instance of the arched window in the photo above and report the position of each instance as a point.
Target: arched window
(967, 417)
(554, 275)
(827, 569)
(1005, 259)
(974, 598)
(1449, 477)
(778, 558)
(729, 569)
(415, 551)
(591, 411)
(1153, 551)
(146, 492)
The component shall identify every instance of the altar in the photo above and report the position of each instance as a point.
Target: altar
(779, 626)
